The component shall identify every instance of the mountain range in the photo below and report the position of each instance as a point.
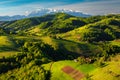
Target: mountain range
(41, 12)
(94, 28)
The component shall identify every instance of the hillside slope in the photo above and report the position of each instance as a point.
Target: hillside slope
(104, 30)
(46, 25)
(40, 48)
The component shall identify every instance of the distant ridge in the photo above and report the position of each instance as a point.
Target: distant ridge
(41, 12)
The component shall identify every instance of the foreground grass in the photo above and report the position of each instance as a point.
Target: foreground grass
(58, 74)
(109, 72)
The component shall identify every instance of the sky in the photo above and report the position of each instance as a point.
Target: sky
(93, 7)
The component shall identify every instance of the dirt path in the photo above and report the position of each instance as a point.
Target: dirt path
(75, 74)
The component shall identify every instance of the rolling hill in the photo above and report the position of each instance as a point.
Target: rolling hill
(47, 23)
(47, 47)
(104, 30)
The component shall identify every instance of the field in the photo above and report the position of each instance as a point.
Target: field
(109, 72)
(58, 74)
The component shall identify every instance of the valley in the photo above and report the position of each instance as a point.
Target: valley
(39, 48)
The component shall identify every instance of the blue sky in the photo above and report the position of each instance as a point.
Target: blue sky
(94, 7)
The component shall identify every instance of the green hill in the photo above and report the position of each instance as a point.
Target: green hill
(111, 71)
(40, 48)
(104, 30)
(67, 47)
(6, 41)
(7, 46)
(44, 25)
(52, 27)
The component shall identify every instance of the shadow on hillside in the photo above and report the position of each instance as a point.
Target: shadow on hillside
(82, 48)
(6, 48)
(70, 52)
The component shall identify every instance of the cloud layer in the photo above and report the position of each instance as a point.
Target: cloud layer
(94, 7)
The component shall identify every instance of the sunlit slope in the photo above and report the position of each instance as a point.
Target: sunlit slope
(58, 74)
(6, 41)
(45, 25)
(54, 24)
(75, 48)
(104, 30)
(7, 46)
(61, 23)
(110, 72)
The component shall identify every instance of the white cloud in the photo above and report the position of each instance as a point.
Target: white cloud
(21, 9)
(96, 7)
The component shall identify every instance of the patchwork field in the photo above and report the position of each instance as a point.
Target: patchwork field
(58, 74)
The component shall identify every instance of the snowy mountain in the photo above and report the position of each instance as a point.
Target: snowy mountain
(41, 12)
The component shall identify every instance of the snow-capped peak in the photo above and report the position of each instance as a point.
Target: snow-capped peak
(44, 11)
(41, 12)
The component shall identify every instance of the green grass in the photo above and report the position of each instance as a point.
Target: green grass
(7, 53)
(5, 41)
(94, 31)
(75, 35)
(109, 72)
(116, 42)
(49, 41)
(71, 46)
(27, 38)
(7, 46)
(58, 74)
